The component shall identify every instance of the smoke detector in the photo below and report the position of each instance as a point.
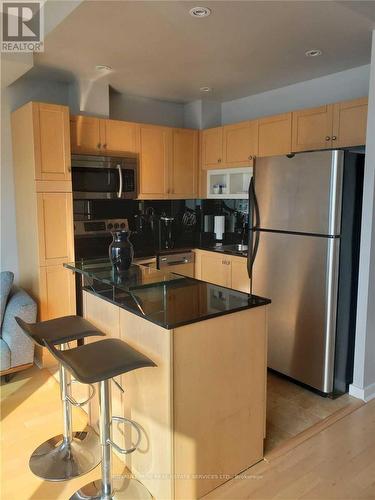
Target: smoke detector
(103, 67)
(200, 12)
(313, 53)
(205, 89)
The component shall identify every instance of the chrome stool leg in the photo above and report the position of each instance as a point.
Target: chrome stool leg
(70, 454)
(109, 487)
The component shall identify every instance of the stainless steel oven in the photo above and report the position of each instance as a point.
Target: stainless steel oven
(104, 177)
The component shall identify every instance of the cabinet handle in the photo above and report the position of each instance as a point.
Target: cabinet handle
(250, 157)
(219, 160)
(104, 146)
(328, 138)
(334, 137)
(98, 145)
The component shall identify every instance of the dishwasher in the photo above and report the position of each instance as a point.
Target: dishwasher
(179, 263)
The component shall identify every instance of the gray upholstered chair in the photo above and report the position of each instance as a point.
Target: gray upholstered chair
(16, 349)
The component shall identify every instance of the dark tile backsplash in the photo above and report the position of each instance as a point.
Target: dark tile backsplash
(158, 225)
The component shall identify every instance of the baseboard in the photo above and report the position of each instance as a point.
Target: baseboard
(366, 394)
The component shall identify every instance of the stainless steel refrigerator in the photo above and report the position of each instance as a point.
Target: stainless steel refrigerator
(304, 214)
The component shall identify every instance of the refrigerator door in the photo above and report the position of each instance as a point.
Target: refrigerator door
(300, 275)
(300, 194)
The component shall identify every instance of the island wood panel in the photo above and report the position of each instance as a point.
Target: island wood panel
(52, 142)
(240, 143)
(350, 123)
(219, 400)
(275, 135)
(312, 128)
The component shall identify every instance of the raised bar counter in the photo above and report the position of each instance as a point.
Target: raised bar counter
(202, 408)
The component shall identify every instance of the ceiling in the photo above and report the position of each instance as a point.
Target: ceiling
(156, 49)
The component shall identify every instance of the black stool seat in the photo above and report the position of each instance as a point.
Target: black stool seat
(59, 330)
(100, 360)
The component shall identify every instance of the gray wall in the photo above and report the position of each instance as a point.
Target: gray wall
(364, 362)
(348, 84)
(144, 110)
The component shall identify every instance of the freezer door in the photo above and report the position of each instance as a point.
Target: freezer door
(301, 194)
(299, 274)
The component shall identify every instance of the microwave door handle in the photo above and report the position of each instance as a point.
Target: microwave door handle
(119, 194)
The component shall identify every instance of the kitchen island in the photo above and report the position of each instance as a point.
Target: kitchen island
(202, 410)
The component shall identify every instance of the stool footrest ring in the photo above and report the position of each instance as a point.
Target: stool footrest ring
(126, 451)
(74, 402)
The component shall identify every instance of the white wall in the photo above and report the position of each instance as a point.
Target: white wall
(144, 110)
(364, 362)
(348, 84)
(12, 97)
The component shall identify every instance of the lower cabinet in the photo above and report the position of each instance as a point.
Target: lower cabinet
(222, 269)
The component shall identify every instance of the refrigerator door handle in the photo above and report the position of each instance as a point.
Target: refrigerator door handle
(253, 210)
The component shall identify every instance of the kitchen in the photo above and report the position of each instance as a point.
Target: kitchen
(193, 201)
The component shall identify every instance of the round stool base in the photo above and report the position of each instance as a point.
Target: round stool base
(123, 488)
(55, 461)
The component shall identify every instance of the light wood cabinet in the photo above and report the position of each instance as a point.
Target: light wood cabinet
(275, 135)
(87, 134)
(212, 147)
(312, 128)
(52, 142)
(44, 210)
(350, 123)
(215, 268)
(120, 137)
(155, 151)
(184, 165)
(239, 275)
(55, 228)
(240, 143)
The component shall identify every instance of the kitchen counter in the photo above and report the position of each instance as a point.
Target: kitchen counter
(207, 393)
(166, 299)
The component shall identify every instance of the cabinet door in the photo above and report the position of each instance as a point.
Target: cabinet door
(183, 171)
(212, 147)
(240, 278)
(87, 134)
(275, 135)
(57, 292)
(55, 227)
(154, 144)
(350, 123)
(216, 269)
(312, 129)
(52, 145)
(240, 143)
(120, 137)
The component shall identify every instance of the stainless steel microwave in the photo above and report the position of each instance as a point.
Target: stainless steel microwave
(104, 177)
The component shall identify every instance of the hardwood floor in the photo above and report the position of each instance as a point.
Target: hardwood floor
(338, 462)
(291, 409)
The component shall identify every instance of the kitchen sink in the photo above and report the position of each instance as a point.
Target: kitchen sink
(235, 249)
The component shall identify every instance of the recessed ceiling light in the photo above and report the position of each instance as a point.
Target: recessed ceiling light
(313, 53)
(200, 12)
(103, 67)
(205, 89)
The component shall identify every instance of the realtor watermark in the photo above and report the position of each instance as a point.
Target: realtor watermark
(22, 26)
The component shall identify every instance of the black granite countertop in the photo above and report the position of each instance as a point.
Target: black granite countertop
(166, 299)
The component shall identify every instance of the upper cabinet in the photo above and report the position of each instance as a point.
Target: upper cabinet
(87, 134)
(350, 122)
(155, 150)
(184, 163)
(240, 143)
(100, 136)
(275, 135)
(212, 147)
(230, 146)
(312, 128)
(334, 125)
(120, 137)
(52, 144)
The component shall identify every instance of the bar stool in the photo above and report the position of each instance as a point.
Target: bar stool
(99, 362)
(69, 454)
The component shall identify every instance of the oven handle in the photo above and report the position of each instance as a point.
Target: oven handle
(119, 194)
